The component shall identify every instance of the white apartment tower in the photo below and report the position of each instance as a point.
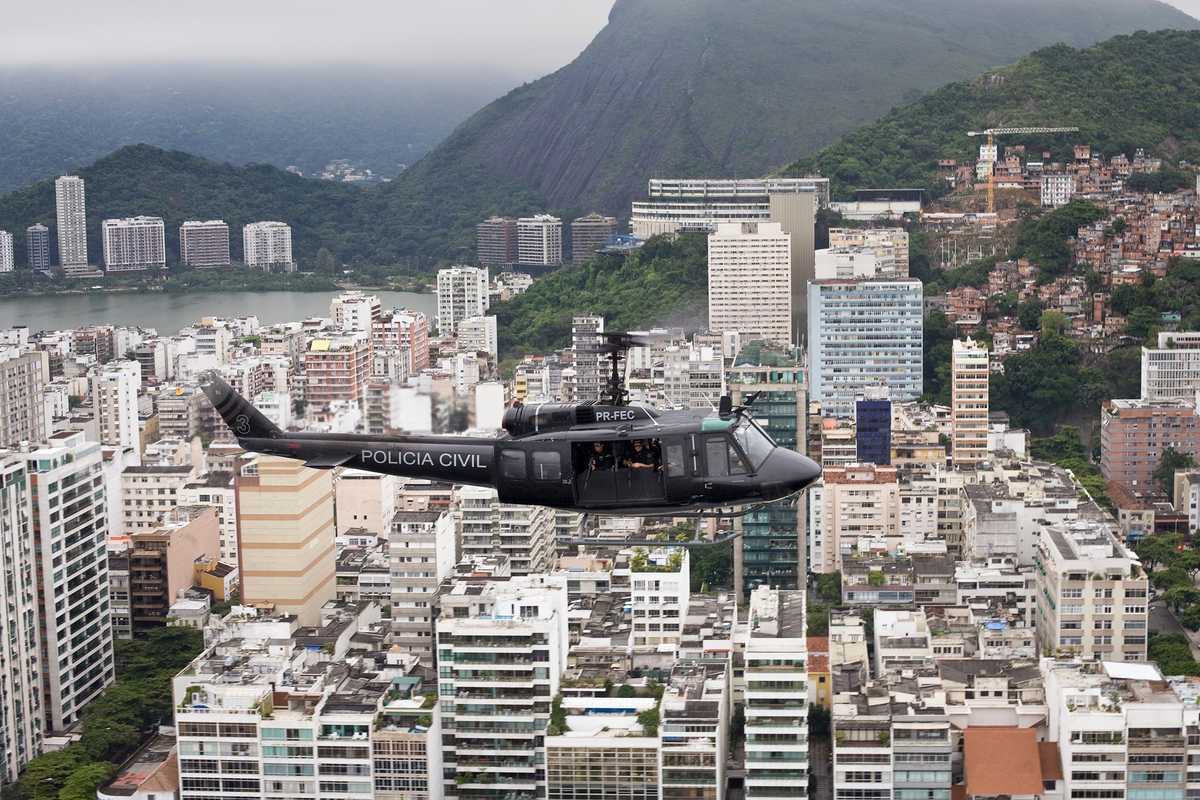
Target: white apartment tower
(750, 281)
(21, 721)
(71, 208)
(115, 402)
(478, 335)
(355, 311)
(589, 371)
(525, 534)
(268, 246)
(204, 245)
(70, 527)
(462, 293)
(134, 243)
(1171, 371)
(863, 334)
(6, 252)
(1057, 189)
(502, 647)
(539, 240)
(969, 373)
(23, 380)
(776, 695)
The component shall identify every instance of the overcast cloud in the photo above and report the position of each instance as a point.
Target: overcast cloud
(529, 37)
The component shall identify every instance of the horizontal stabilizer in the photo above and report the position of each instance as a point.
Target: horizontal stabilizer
(328, 460)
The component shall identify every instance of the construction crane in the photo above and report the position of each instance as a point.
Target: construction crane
(991, 134)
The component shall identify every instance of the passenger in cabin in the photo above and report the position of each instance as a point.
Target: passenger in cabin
(642, 456)
(601, 458)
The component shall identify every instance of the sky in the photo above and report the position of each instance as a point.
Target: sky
(521, 37)
(1187, 6)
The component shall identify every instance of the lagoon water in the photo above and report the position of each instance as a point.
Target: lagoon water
(167, 313)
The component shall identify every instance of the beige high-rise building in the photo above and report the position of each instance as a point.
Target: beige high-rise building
(858, 510)
(969, 402)
(588, 234)
(750, 281)
(22, 413)
(286, 536)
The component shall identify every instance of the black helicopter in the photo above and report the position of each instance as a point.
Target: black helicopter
(595, 457)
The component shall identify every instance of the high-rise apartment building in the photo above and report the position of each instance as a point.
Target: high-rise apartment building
(71, 208)
(1134, 434)
(148, 492)
(1091, 593)
(589, 234)
(462, 292)
(37, 246)
(6, 252)
(403, 329)
(523, 533)
(115, 388)
(859, 506)
(590, 373)
(539, 240)
(286, 536)
(135, 243)
(478, 335)
(502, 648)
(162, 561)
(969, 372)
(750, 282)
(22, 412)
(496, 241)
(268, 246)
(355, 311)
(863, 334)
(336, 369)
(1171, 371)
(70, 530)
(776, 695)
(421, 551)
(204, 245)
(771, 549)
(21, 721)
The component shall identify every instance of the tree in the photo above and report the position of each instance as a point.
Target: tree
(1172, 654)
(829, 587)
(1158, 550)
(325, 261)
(1143, 322)
(1053, 323)
(1029, 314)
(1164, 473)
(84, 782)
(1180, 597)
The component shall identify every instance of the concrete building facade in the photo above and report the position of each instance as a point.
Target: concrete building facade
(204, 245)
(750, 281)
(133, 244)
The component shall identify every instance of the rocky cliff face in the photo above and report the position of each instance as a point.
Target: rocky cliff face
(738, 87)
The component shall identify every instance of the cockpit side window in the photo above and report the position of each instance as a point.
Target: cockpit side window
(754, 443)
(716, 455)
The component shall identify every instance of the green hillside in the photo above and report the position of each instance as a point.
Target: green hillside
(1140, 90)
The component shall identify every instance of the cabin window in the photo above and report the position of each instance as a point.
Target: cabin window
(675, 468)
(547, 466)
(512, 464)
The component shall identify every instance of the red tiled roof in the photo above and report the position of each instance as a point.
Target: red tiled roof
(1001, 761)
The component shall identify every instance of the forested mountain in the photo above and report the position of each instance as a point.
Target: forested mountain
(712, 87)
(1140, 90)
(55, 119)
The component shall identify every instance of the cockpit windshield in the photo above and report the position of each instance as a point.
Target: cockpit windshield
(754, 442)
